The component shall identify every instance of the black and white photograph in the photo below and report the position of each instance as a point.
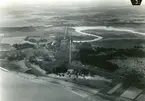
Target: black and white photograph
(72, 50)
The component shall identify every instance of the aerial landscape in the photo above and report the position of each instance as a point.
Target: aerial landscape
(77, 52)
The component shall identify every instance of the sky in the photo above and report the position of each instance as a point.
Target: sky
(67, 2)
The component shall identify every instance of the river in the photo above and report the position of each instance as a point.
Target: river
(96, 37)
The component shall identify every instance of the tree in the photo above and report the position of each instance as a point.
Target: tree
(60, 69)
